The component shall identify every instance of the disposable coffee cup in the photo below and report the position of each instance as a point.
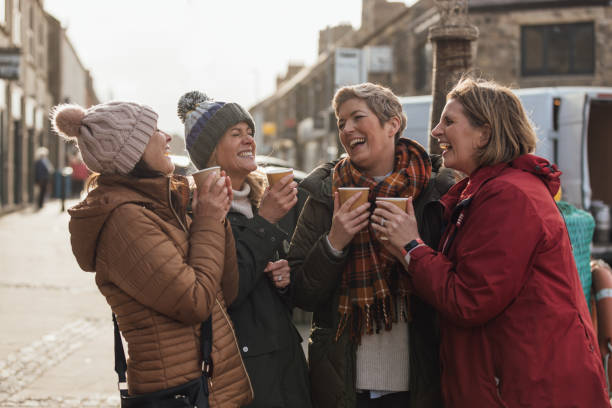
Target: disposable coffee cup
(200, 175)
(274, 175)
(400, 202)
(347, 192)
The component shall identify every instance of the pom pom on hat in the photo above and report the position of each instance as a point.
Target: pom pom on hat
(189, 102)
(67, 120)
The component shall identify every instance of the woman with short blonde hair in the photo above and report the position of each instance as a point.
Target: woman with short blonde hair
(372, 344)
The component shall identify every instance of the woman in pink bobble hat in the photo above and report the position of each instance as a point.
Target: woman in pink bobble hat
(166, 275)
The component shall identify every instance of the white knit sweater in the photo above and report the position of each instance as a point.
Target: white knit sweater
(241, 202)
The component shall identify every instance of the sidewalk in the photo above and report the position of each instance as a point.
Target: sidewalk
(56, 342)
(56, 338)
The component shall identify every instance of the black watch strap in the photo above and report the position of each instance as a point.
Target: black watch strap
(412, 244)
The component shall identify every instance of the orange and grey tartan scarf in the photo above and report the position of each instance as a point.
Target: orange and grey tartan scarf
(372, 285)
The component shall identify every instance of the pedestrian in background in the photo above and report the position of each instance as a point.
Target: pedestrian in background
(43, 169)
(372, 344)
(222, 134)
(162, 273)
(79, 175)
(515, 326)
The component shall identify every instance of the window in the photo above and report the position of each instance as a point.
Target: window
(558, 49)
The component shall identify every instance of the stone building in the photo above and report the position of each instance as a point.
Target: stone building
(38, 68)
(521, 43)
(24, 98)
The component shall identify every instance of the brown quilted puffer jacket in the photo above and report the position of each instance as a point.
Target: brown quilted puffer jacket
(162, 275)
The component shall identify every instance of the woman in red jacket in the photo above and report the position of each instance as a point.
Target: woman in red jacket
(515, 326)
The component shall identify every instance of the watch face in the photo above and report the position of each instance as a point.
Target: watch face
(411, 245)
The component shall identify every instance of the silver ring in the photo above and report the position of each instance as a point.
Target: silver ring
(382, 222)
(279, 278)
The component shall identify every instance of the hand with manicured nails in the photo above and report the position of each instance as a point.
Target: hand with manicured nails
(278, 199)
(346, 222)
(279, 272)
(214, 197)
(399, 227)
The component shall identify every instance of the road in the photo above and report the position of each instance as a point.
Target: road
(56, 341)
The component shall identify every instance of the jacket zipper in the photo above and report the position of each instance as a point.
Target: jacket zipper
(236, 344)
(172, 207)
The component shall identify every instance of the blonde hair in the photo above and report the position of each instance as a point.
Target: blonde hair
(380, 100)
(488, 103)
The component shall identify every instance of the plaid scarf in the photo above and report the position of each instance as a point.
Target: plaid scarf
(373, 286)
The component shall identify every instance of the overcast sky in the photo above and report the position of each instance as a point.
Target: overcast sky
(153, 51)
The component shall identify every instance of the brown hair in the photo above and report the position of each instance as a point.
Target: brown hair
(380, 100)
(488, 103)
(140, 170)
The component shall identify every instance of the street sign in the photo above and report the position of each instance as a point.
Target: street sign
(10, 59)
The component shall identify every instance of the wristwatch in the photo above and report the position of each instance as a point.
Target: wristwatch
(413, 244)
(409, 247)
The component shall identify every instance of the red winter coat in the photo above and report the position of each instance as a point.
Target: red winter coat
(515, 327)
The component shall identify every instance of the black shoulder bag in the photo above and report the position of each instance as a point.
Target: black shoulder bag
(193, 394)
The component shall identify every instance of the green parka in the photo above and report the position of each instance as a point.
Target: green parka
(315, 277)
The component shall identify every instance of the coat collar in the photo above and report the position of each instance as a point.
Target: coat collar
(466, 188)
(539, 167)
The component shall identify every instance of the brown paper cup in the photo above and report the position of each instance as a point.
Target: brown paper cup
(400, 202)
(200, 175)
(347, 192)
(274, 175)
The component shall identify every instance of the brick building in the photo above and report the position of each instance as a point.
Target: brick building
(522, 43)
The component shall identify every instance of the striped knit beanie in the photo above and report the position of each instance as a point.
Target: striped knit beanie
(206, 121)
(111, 136)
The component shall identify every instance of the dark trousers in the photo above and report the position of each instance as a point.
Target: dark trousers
(395, 400)
(42, 191)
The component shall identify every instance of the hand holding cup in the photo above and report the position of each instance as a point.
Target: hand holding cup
(279, 197)
(399, 226)
(213, 196)
(348, 218)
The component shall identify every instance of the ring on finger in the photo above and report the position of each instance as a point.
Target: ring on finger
(382, 222)
(279, 278)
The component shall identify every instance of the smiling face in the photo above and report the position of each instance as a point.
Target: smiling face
(156, 154)
(235, 152)
(370, 145)
(458, 138)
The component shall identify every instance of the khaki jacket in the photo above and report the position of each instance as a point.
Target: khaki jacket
(162, 275)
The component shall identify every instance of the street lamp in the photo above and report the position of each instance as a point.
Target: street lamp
(452, 40)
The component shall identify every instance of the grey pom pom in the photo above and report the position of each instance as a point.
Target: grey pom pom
(189, 102)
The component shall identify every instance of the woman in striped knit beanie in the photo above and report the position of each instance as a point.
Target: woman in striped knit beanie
(222, 134)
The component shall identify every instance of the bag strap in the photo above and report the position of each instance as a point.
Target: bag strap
(205, 346)
(120, 363)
